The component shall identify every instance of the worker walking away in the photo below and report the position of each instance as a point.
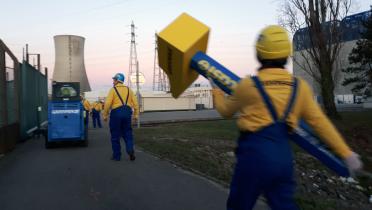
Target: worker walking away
(270, 106)
(87, 109)
(124, 108)
(96, 114)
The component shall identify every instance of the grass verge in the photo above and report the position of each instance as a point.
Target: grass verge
(208, 146)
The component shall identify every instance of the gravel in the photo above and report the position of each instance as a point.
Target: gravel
(315, 183)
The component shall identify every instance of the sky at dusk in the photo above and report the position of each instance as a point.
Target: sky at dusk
(105, 24)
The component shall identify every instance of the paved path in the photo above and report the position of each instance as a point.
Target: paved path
(72, 177)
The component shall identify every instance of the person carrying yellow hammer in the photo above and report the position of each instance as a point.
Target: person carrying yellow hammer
(270, 106)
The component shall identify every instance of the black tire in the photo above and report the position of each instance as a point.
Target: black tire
(85, 143)
(48, 144)
(86, 134)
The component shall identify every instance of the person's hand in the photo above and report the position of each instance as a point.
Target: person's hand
(105, 118)
(353, 163)
(134, 120)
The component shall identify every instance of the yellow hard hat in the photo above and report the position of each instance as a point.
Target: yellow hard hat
(273, 43)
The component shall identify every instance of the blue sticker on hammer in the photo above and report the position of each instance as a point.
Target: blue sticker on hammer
(303, 136)
(307, 140)
(209, 68)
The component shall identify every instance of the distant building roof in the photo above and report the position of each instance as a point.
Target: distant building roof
(352, 27)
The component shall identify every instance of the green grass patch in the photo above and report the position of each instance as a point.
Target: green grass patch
(207, 147)
(203, 146)
(314, 204)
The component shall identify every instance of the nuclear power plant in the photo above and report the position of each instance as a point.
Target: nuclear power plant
(69, 61)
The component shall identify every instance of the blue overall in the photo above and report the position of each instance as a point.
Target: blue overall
(86, 119)
(264, 163)
(96, 117)
(121, 126)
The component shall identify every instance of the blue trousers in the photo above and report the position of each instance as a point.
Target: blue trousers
(86, 120)
(264, 166)
(96, 118)
(121, 126)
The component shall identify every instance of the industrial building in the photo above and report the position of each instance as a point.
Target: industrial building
(352, 28)
(69, 61)
(153, 100)
(196, 97)
(203, 96)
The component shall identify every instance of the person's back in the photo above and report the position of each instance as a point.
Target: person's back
(96, 114)
(123, 105)
(270, 106)
(278, 84)
(87, 109)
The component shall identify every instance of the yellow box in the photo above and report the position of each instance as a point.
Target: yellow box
(177, 44)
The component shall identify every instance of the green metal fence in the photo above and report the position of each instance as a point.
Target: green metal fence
(9, 100)
(33, 99)
(11, 108)
(23, 99)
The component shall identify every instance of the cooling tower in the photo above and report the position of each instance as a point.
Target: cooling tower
(69, 61)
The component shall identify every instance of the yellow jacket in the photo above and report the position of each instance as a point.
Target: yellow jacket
(97, 106)
(112, 100)
(254, 114)
(86, 105)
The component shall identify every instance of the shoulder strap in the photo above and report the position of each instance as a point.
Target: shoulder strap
(266, 98)
(119, 96)
(291, 100)
(126, 101)
(122, 102)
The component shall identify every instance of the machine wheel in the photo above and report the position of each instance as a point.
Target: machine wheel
(48, 144)
(85, 143)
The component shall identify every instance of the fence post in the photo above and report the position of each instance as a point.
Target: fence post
(3, 93)
(38, 62)
(17, 89)
(27, 55)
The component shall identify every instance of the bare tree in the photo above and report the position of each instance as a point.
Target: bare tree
(319, 21)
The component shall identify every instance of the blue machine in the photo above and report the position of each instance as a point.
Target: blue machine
(66, 115)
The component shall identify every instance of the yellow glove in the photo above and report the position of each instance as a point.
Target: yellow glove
(134, 119)
(353, 163)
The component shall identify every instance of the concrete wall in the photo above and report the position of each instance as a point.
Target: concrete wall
(167, 103)
(153, 100)
(203, 95)
(341, 91)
